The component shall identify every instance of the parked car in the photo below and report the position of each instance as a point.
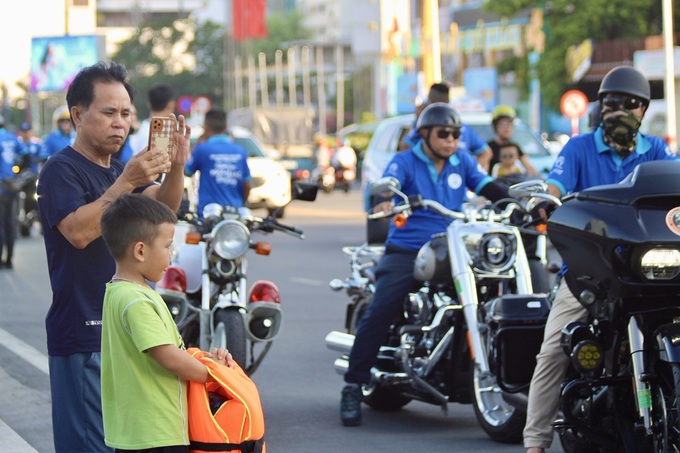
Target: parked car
(385, 143)
(271, 184)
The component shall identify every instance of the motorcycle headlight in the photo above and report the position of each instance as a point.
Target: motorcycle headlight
(660, 264)
(231, 239)
(495, 252)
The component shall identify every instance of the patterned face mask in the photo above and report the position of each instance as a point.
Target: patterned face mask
(620, 130)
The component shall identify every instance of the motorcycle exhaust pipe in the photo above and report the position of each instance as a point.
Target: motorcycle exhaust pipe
(340, 341)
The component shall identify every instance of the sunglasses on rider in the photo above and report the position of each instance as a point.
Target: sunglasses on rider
(616, 101)
(444, 133)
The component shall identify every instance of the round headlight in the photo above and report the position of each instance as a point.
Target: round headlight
(231, 239)
(496, 252)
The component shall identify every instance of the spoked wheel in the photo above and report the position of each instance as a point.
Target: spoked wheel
(666, 410)
(501, 421)
(230, 333)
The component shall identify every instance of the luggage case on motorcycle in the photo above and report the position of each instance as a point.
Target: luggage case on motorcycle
(516, 325)
(226, 414)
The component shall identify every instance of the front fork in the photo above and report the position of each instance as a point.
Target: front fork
(642, 391)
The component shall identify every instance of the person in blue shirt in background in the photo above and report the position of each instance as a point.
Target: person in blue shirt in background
(605, 155)
(62, 137)
(223, 165)
(438, 170)
(469, 140)
(10, 152)
(31, 147)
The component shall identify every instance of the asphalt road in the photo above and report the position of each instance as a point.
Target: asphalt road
(299, 389)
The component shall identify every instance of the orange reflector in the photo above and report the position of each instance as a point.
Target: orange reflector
(263, 248)
(542, 228)
(193, 237)
(400, 220)
(469, 340)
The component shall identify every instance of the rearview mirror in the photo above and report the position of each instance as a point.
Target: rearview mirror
(384, 186)
(304, 191)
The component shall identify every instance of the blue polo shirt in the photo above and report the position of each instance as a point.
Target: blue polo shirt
(469, 140)
(55, 142)
(417, 175)
(586, 161)
(224, 168)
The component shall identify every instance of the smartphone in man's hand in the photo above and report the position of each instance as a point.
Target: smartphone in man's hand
(161, 133)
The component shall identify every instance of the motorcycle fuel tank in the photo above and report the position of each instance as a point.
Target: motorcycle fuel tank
(432, 263)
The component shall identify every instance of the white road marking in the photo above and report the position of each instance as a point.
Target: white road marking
(308, 281)
(25, 351)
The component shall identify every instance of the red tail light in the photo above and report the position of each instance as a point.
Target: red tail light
(175, 279)
(264, 291)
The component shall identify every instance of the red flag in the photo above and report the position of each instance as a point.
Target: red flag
(249, 19)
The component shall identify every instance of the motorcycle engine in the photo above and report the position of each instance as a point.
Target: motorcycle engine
(432, 263)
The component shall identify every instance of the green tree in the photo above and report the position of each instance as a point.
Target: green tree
(568, 22)
(283, 31)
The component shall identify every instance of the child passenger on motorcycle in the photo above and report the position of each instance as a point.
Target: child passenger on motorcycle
(435, 169)
(144, 369)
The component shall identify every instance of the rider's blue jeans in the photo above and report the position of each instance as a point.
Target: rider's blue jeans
(394, 281)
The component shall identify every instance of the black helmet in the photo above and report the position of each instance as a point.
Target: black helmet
(438, 114)
(626, 80)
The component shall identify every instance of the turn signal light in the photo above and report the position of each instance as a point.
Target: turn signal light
(263, 248)
(542, 228)
(400, 220)
(193, 237)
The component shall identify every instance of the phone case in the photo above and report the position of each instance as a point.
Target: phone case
(161, 132)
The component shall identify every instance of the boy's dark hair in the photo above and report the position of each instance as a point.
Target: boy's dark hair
(160, 95)
(216, 120)
(509, 145)
(81, 91)
(133, 218)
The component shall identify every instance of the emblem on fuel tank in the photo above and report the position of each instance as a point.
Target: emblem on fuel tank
(673, 220)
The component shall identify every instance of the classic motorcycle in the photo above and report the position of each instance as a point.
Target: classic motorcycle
(205, 287)
(463, 333)
(621, 244)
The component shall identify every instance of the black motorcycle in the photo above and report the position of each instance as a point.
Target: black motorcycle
(621, 244)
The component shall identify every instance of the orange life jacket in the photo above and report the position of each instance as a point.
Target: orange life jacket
(238, 425)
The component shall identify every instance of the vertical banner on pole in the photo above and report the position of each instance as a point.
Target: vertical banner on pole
(340, 79)
(292, 77)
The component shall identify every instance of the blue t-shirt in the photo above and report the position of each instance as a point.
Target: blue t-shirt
(55, 142)
(33, 151)
(67, 182)
(10, 150)
(224, 168)
(417, 175)
(469, 140)
(586, 161)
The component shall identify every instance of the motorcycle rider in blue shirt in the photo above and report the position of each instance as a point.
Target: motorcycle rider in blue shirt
(10, 151)
(62, 137)
(603, 156)
(436, 169)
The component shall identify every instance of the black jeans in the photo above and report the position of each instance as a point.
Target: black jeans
(8, 225)
(394, 281)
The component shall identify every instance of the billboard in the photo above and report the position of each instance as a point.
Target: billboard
(55, 60)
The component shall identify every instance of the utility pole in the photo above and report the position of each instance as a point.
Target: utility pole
(432, 60)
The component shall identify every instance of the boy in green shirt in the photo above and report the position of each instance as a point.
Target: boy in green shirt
(144, 366)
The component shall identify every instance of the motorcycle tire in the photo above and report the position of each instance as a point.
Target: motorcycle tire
(230, 333)
(384, 399)
(665, 407)
(539, 277)
(501, 421)
(357, 313)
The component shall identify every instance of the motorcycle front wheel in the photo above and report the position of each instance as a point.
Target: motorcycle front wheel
(666, 408)
(501, 421)
(230, 333)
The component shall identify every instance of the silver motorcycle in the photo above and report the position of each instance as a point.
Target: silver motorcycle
(470, 334)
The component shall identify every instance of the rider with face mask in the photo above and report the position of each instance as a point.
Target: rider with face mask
(605, 155)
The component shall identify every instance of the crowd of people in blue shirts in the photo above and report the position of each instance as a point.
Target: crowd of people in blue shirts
(20, 152)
